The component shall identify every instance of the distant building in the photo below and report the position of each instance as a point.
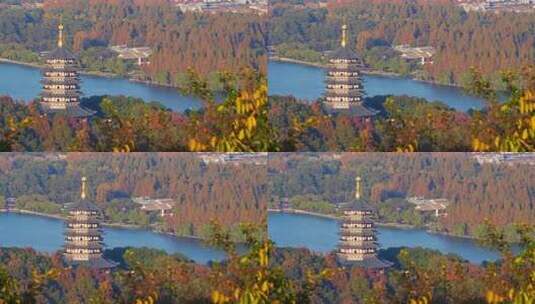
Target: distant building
(140, 55)
(433, 205)
(358, 240)
(344, 89)
(10, 203)
(164, 206)
(423, 55)
(61, 83)
(259, 158)
(510, 158)
(83, 235)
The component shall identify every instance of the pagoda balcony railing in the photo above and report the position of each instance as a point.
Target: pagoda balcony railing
(89, 212)
(343, 74)
(61, 86)
(357, 251)
(60, 74)
(343, 99)
(57, 101)
(343, 86)
(83, 251)
(60, 61)
(358, 212)
(340, 61)
(351, 238)
(83, 224)
(357, 225)
(345, 67)
(80, 238)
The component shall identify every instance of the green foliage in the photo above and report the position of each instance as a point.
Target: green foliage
(38, 203)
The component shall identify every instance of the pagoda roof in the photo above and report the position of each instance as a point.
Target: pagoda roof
(92, 232)
(98, 263)
(64, 69)
(344, 53)
(357, 109)
(362, 221)
(73, 109)
(370, 263)
(362, 246)
(84, 205)
(353, 92)
(60, 53)
(364, 233)
(69, 93)
(356, 205)
(361, 110)
(69, 223)
(70, 80)
(354, 80)
(98, 245)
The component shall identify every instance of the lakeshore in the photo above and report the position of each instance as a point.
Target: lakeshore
(105, 224)
(321, 235)
(365, 71)
(45, 234)
(307, 83)
(23, 82)
(379, 224)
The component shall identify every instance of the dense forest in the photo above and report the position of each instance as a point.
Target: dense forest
(266, 274)
(228, 194)
(418, 276)
(502, 193)
(236, 123)
(143, 275)
(488, 41)
(409, 124)
(205, 43)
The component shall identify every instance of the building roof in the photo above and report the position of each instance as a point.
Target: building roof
(98, 263)
(370, 263)
(60, 53)
(84, 205)
(92, 245)
(356, 109)
(356, 205)
(344, 53)
(73, 109)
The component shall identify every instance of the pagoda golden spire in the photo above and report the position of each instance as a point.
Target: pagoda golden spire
(60, 35)
(357, 187)
(344, 35)
(82, 193)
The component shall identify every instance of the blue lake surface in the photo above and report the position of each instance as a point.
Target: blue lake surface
(46, 235)
(23, 83)
(321, 235)
(307, 82)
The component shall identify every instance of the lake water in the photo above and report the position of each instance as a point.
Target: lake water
(307, 82)
(321, 235)
(23, 83)
(46, 234)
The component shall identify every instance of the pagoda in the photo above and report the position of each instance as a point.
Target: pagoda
(358, 241)
(83, 235)
(61, 82)
(344, 90)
